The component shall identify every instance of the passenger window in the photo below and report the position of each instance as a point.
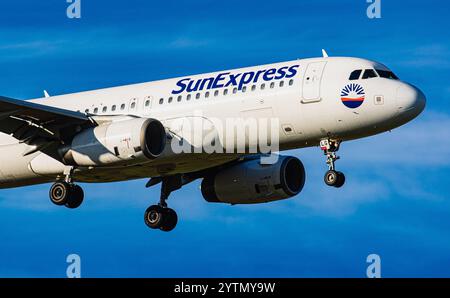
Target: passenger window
(147, 103)
(355, 74)
(188, 97)
(197, 96)
(253, 87)
(133, 105)
(281, 83)
(113, 108)
(272, 85)
(207, 94)
(104, 109)
(161, 101)
(86, 111)
(369, 73)
(225, 91)
(291, 82)
(244, 89)
(170, 99)
(122, 106)
(234, 90)
(216, 93)
(263, 86)
(95, 110)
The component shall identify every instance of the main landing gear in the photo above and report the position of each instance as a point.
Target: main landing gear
(66, 193)
(332, 177)
(160, 216)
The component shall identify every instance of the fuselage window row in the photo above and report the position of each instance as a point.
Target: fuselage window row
(225, 92)
(188, 97)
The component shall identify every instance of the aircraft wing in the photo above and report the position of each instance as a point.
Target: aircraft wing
(33, 123)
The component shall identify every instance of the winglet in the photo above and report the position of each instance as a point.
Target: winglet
(46, 94)
(324, 53)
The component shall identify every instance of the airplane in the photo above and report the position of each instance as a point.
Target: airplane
(129, 132)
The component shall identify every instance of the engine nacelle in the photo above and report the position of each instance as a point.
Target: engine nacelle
(127, 141)
(251, 182)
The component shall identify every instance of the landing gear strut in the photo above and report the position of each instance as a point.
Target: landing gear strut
(160, 216)
(332, 177)
(66, 193)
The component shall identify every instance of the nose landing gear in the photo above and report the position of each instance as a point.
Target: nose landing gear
(160, 216)
(332, 177)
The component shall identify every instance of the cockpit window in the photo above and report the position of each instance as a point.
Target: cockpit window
(386, 74)
(355, 74)
(369, 73)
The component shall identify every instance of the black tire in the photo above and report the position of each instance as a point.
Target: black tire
(59, 193)
(170, 220)
(331, 178)
(153, 217)
(341, 180)
(75, 198)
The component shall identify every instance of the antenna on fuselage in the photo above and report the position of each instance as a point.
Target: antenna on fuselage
(324, 53)
(46, 94)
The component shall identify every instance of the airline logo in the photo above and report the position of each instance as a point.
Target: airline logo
(352, 95)
(239, 80)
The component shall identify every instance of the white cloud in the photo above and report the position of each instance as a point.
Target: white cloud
(323, 200)
(431, 50)
(432, 55)
(186, 42)
(425, 142)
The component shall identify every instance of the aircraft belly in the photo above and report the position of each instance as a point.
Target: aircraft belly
(191, 163)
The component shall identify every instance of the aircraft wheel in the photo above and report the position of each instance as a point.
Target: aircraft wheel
(153, 217)
(75, 198)
(170, 220)
(59, 193)
(331, 178)
(341, 179)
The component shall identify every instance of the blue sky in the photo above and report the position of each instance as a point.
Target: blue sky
(395, 202)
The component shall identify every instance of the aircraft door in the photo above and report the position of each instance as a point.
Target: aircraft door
(312, 80)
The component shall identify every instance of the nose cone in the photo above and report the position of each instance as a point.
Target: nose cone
(411, 101)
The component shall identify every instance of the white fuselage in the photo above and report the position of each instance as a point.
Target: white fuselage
(306, 96)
